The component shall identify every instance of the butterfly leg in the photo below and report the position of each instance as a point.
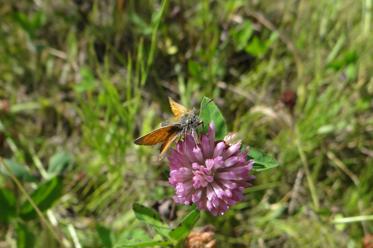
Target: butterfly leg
(195, 136)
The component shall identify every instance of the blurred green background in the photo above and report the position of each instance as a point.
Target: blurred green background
(79, 80)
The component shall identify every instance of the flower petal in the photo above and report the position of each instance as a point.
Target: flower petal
(232, 150)
(219, 148)
(230, 161)
(198, 154)
(206, 147)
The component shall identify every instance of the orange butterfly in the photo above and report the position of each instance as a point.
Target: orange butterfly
(183, 122)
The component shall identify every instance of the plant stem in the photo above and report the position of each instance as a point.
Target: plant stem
(353, 219)
(311, 185)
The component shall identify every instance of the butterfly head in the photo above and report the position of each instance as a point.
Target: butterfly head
(190, 121)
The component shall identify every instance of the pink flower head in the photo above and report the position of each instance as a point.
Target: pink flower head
(211, 174)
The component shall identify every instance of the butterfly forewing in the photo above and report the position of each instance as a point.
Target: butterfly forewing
(157, 136)
(177, 109)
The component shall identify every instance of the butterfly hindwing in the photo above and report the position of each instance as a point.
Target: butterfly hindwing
(167, 144)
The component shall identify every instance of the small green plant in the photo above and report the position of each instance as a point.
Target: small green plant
(22, 210)
(215, 203)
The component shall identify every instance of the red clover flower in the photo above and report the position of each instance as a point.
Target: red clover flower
(212, 174)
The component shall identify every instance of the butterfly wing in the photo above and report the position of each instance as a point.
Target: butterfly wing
(167, 144)
(177, 109)
(157, 136)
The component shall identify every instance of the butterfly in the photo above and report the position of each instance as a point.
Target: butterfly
(184, 121)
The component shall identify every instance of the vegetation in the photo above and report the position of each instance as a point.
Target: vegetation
(80, 80)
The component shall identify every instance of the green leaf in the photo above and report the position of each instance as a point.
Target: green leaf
(256, 47)
(7, 205)
(132, 235)
(25, 238)
(186, 225)
(58, 163)
(127, 243)
(241, 34)
(30, 24)
(151, 217)
(194, 69)
(88, 82)
(140, 24)
(105, 236)
(262, 161)
(350, 57)
(209, 112)
(44, 197)
(351, 71)
(18, 170)
(138, 238)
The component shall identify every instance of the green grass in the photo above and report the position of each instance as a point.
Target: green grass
(87, 77)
